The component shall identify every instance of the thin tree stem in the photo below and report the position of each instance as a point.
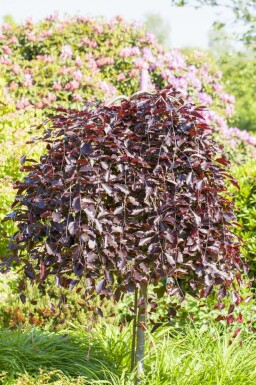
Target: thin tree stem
(140, 346)
(134, 328)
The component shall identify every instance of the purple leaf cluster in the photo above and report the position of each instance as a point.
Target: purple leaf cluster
(127, 195)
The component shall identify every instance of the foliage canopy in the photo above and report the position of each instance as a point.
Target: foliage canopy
(128, 194)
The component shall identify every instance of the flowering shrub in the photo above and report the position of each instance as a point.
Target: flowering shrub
(68, 62)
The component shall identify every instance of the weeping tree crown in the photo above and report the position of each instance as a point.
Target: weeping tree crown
(127, 195)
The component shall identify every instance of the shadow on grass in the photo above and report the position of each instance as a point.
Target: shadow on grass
(73, 355)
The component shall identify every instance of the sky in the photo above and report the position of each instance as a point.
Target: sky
(189, 27)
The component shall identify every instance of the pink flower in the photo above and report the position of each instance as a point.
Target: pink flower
(217, 87)
(6, 50)
(129, 51)
(175, 60)
(57, 86)
(6, 27)
(205, 98)
(53, 17)
(227, 98)
(46, 34)
(28, 81)
(107, 88)
(77, 98)
(23, 103)
(30, 36)
(78, 75)
(16, 69)
(150, 38)
(29, 21)
(13, 86)
(140, 63)
(79, 62)
(39, 105)
(5, 60)
(51, 97)
(71, 86)
(147, 55)
(66, 52)
(90, 43)
(13, 40)
(46, 58)
(98, 29)
(104, 61)
(134, 73)
(230, 109)
(120, 77)
(65, 71)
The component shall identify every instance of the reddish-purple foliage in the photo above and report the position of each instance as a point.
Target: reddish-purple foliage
(128, 194)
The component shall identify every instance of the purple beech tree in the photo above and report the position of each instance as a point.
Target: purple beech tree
(125, 196)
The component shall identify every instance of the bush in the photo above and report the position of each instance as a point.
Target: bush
(245, 202)
(239, 77)
(72, 61)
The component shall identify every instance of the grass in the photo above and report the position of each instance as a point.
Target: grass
(188, 357)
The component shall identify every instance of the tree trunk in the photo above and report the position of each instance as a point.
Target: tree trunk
(141, 327)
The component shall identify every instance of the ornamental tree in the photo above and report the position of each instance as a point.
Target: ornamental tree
(125, 196)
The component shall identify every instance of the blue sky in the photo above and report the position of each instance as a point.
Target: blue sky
(189, 27)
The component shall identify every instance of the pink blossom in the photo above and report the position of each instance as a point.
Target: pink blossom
(150, 38)
(28, 81)
(22, 103)
(120, 77)
(88, 42)
(83, 19)
(134, 73)
(16, 69)
(5, 60)
(230, 109)
(175, 60)
(6, 49)
(227, 98)
(140, 64)
(107, 88)
(51, 97)
(254, 154)
(79, 62)
(217, 87)
(92, 65)
(13, 40)
(66, 52)
(29, 21)
(30, 36)
(78, 75)
(45, 34)
(13, 86)
(53, 17)
(71, 86)
(104, 61)
(6, 27)
(77, 98)
(57, 86)
(97, 28)
(65, 71)
(136, 24)
(129, 51)
(147, 55)
(205, 98)
(46, 58)
(39, 105)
